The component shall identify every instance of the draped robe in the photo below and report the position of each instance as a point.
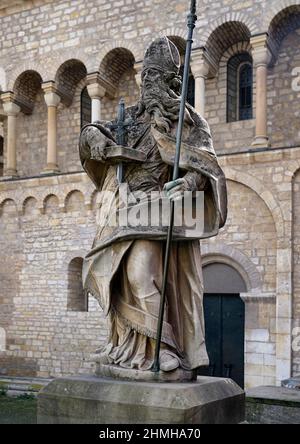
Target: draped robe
(124, 268)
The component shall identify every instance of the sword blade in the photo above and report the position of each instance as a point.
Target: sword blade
(120, 173)
(121, 137)
(191, 25)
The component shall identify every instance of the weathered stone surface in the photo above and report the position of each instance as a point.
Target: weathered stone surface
(273, 405)
(91, 400)
(127, 374)
(292, 383)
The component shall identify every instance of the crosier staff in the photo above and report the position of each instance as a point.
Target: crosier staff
(191, 21)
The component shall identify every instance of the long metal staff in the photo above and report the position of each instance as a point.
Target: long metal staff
(191, 21)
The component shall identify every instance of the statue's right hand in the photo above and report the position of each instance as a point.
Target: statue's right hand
(99, 152)
(93, 144)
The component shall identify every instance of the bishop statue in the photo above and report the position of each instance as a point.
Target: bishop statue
(124, 269)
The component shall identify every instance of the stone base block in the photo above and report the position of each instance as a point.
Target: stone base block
(273, 405)
(94, 400)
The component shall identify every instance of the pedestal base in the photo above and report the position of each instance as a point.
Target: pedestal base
(92, 400)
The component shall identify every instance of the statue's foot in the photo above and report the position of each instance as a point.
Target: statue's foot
(102, 358)
(168, 362)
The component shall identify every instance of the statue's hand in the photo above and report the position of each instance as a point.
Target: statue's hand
(176, 188)
(93, 144)
(98, 151)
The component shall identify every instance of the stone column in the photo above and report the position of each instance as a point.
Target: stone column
(138, 73)
(11, 110)
(96, 93)
(97, 88)
(261, 58)
(52, 100)
(200, 67)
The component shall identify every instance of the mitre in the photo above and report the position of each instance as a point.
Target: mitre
(162, 55)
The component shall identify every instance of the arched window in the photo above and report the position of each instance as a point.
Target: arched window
(85, 108)
(1, 156)
(77, 301)
(239, 88)
(191, 87)
(245, 91)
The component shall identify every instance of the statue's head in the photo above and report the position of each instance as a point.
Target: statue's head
(162, 55)
(161, 83)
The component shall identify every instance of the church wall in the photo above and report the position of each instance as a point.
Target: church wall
(57, 229)
(44, 338)
(68, 130)
(250, 230)
(296, 274)
(41, 239)
(227, 136)
(127, 89)
(47, 46)
(283, 101)
(32, 139)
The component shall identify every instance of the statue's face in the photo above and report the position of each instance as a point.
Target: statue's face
(150, 77)
(158, 100)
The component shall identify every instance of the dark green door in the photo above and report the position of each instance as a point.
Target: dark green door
(224, 329)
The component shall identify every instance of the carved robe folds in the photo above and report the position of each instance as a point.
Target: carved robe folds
(124, 269)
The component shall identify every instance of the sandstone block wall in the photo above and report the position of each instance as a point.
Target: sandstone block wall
(43, 227)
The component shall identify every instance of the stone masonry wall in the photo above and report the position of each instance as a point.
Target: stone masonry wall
(296, 275)
(32, 139)
(284, 122)
(44, 37)
(44, 338)
(50, 221)
(250, 230)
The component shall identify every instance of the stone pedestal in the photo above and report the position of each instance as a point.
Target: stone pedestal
(273, 405)
(94, 400)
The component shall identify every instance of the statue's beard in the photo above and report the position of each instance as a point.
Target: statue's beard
(161, 104)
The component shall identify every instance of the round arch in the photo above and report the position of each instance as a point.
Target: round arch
(26, 87)
(231, 256)
(67, 77)
(229, 280)
(20, 69)
(115, 63)
(239, 17)
(224, 36)
(110, 46)
(260, 189)
(284, 20)
(275, 9)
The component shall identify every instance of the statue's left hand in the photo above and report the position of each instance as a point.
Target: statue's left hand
(176, 188)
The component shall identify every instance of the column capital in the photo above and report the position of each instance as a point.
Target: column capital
(261, 51)
(10, 108)
(52, 97)
(202, 65)
(96, 78)
(96, 91)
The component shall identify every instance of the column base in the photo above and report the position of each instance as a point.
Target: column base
(50, 169)
(10, 174)
(261, 142)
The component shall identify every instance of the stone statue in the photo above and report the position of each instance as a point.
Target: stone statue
(124, 269)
